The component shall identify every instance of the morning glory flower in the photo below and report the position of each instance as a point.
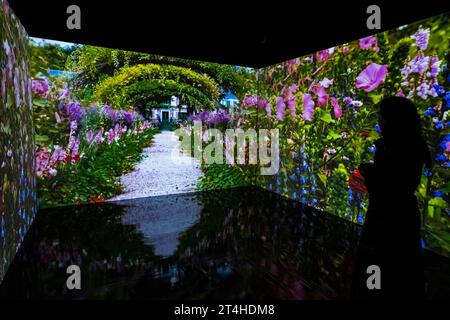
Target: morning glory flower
(439, 89)
(441, 157)
(439, 125)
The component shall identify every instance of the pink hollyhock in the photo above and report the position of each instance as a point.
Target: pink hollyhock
(369, 42)
(322, 95)
(336, 108)
(371, 77)
(308, 107)
(40, 87)
(281, 108)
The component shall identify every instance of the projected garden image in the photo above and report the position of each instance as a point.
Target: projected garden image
(325, 106)
(105, 122)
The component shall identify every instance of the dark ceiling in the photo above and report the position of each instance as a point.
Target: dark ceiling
(240, 33)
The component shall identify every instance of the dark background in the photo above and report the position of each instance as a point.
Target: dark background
(253, 34)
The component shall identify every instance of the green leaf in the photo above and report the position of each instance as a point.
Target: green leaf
(326, 117)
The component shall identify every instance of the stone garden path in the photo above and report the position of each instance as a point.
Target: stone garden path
(165, 169)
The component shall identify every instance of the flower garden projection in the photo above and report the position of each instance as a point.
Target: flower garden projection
(105, 121)
(325, 106)
(17, 179)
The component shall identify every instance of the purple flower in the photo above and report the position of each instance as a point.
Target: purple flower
(336, 108)
(371, 77)
(74, 111)
(369, 42)
(110, 113)
(89, 136)
(421, 37)
(250, 101)
(127, 117)
(308, 107)
(281, 108)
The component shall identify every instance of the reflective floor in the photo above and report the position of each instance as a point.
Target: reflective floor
(243, 243)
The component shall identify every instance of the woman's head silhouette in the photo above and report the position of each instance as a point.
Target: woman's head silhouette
(399, 120)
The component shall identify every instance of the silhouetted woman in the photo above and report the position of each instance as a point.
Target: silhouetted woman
(391, 236)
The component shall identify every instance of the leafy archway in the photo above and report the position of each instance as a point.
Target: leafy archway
(141, 84)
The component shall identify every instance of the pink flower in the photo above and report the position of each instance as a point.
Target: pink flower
(322, 55)
(281, 108)
(371, 77)
(369, 42)
(308, 107)
(322, 95)
(261, 102)
(40, 87)
(400, 93)
(291, 106)
(336, 108)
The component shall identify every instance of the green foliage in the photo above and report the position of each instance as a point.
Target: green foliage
(221, 176)
(48, 56)
(115, 89)
(93, 178)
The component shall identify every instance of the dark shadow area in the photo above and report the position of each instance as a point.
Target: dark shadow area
(243, 243)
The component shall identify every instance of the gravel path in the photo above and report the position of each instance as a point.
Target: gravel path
(165, 169)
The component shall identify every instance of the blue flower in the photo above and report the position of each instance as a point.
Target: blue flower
(360, 218)
(313, 189)
(441, 157)
(446, 165)
(430, 112)
(361, 205)
(292, 177)
(304, 200)
(423, 244)
(439, 125)
(303, 179)
(439, 89)
(447, 137)
(297, 171)
(438, 194)
(278, 182)
(294, 195)
(350, 195)
(313, 201)
(377, 128)
(447, 96)
(295, 154)
(443, 144)
(444, 68)
(372, 149)
(305, 166)
(304, 192)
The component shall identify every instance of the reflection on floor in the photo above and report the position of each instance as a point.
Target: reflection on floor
(230, 244)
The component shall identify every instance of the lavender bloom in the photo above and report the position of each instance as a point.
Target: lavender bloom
(110, 113)
(40, 87)
(421, 37)
(127, 117)
(74, 111)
